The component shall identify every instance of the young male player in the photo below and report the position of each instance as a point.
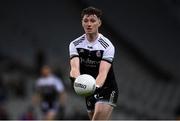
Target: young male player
(93, 54)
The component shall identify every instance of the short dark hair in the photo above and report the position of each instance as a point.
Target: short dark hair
(91, 11)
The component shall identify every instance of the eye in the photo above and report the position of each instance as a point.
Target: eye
(85, 20)
(93, 20)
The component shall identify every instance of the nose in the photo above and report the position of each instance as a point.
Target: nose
(88, 23)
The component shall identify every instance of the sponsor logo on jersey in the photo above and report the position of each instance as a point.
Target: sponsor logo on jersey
(89, 61)
(80, 85)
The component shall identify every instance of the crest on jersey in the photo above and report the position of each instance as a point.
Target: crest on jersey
(98, 53)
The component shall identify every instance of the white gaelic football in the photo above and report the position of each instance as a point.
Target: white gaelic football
(85, 85)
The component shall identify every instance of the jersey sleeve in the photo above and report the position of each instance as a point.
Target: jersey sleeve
(59, 85)
(72, 51)
(108, 54)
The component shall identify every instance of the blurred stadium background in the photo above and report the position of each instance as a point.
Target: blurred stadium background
(147, 61)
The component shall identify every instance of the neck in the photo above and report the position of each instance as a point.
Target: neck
(92, 37)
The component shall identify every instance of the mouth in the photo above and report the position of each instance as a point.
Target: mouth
(89, 29)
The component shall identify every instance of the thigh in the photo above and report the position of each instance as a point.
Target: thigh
(102, 111)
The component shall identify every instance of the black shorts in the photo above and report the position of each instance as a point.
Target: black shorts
(49, 106)
(105, 95)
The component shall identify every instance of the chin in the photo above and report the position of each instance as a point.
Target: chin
(88, 32)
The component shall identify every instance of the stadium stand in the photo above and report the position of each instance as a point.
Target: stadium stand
(145, 90)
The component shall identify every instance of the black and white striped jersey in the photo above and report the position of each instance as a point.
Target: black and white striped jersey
(91, 54)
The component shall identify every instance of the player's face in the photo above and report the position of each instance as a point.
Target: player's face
(45, 71)
(91, 23)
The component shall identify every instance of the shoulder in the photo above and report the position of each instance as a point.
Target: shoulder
(56, 78)
(105, 42)
(78, 40)
(39, 81)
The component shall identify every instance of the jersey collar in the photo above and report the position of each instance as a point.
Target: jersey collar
(92, 43)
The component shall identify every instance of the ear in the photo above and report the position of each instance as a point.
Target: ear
(100, 22)
(82, 23)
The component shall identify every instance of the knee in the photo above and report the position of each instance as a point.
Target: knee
(50, 116)
(102, 112)
(98, 111)
(97, 116)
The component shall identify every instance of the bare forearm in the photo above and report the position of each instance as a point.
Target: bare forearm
(103, 72)
(74, 73)
(74, 67)
(101, 79)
